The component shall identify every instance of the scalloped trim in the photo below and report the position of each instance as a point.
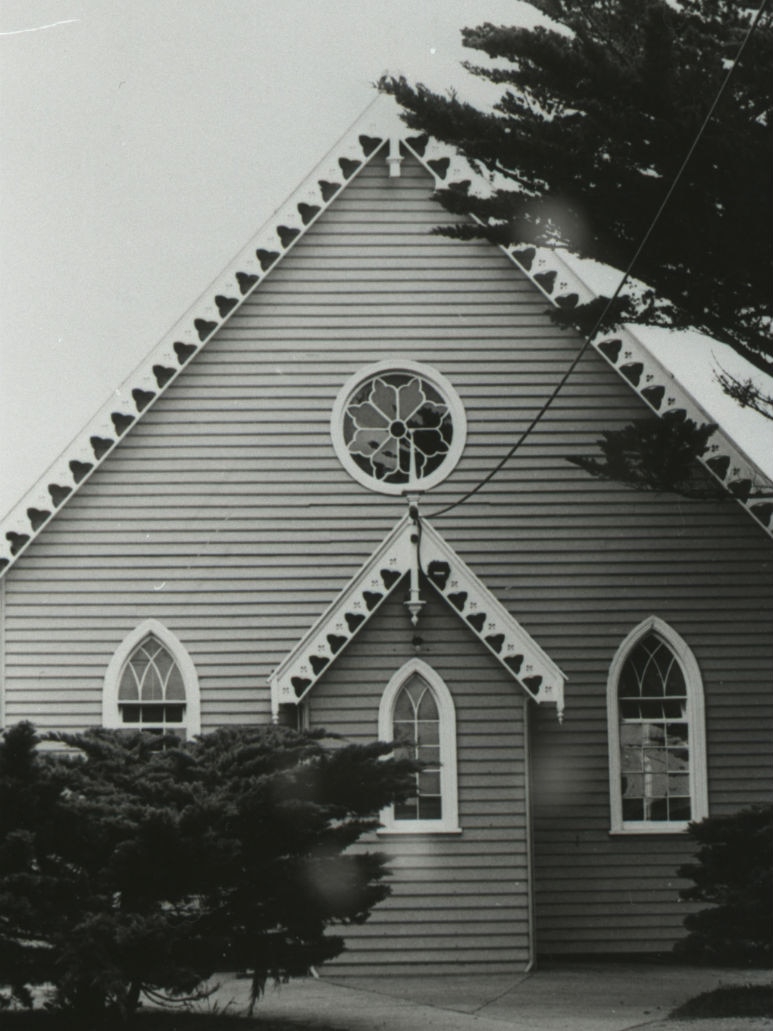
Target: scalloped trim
(378, 128)
(630, 357)
(500, 633)
(213, 309)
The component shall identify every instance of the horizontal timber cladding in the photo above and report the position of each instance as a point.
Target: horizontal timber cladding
(459, 901)
(225, 514)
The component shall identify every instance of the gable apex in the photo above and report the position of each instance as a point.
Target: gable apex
(379, 131)
(486, 618)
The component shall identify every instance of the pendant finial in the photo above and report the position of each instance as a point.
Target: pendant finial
(414, 603)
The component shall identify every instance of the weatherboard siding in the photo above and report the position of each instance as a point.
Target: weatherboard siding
(458, 902)
(598, 893)
(225, 514)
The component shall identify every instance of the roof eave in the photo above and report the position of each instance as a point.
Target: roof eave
(380, 124)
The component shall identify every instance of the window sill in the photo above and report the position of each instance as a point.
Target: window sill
(649, 829)
(423, 830)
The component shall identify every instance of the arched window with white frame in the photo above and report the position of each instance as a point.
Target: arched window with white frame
(656, 724)
(151, 684)
(417, 713)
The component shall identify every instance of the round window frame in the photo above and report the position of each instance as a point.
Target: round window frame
(455, 407)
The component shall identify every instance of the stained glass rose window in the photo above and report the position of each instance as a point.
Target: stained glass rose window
(399, 428)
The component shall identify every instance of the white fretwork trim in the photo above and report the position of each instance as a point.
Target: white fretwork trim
(629, 355)
(487, 619)
(378, 131)
(139, 392)
(292, 680)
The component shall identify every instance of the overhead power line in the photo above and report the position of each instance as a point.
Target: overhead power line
(626, 275)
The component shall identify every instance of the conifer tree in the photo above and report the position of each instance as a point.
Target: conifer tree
(593, 124)
(596, 115)
(733, 873)
(655, 454)
(142, 865)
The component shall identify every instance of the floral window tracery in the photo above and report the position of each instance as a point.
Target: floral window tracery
(398, 428)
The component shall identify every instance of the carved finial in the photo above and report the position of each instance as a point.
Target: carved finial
(395, 158)
(414, 606)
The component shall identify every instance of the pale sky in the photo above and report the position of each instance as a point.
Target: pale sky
(142, 143)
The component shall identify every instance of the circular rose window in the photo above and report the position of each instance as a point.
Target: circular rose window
(398, 427)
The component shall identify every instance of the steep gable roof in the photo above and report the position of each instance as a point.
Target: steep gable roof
(378, 131)
(453, 580)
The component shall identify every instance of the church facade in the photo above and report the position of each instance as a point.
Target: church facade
(303, 509)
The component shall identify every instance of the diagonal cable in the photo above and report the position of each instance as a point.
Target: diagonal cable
(642, 244)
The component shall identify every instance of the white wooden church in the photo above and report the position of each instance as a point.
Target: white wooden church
(279, 517)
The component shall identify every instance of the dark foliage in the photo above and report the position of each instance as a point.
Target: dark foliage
(590, 130)
(658, 454)
(137, 863)
(734, 873)
(747, 393)
(149, 1020)
(748, 1000)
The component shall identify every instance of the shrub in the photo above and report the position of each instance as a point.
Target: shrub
(140, 864)
(737, 1000)
(733, 872)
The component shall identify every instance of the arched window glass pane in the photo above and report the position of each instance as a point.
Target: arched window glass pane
(404, 709)
(150, 660)
(163, 662)
(654, 735)
(128, 688)
(151, 692)
(152, 687)
(175, 688)
(416, 728)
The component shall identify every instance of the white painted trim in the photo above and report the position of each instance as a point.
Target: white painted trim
(441, 384)
(531, 887)
(500, 632)
(244, 273)
(111, 716)
(696, 721)
(2, 655)
(393, 553)
(544, 267)
(449, 824)
(537, 674)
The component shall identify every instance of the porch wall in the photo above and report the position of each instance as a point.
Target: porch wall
(459, 902)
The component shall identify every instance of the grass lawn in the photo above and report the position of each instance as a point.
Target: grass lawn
(749, 1000)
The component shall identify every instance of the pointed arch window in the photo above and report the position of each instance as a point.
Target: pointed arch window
(151, 684)
(417, 713)
(656, 733)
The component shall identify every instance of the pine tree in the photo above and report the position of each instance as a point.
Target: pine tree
(140, 865)
(36, 886)
(733, 872)
(656, 454)
(591, 128)
(596, 115)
